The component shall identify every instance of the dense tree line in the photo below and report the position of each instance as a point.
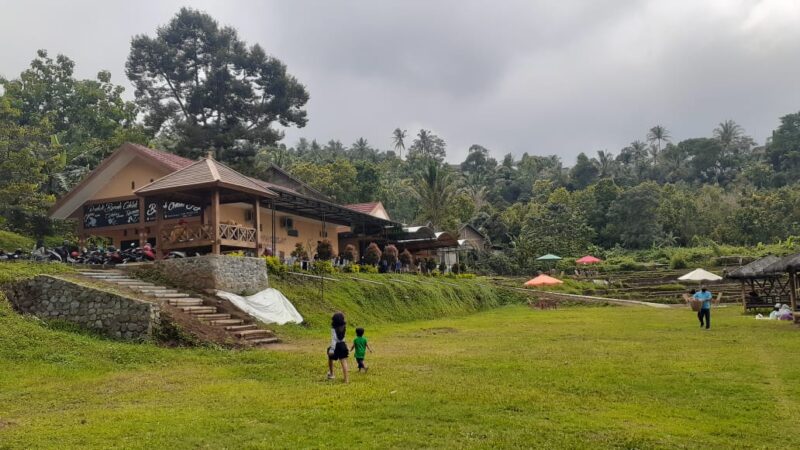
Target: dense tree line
(199, 87)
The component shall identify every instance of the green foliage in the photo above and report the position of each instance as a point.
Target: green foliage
(322, 267)
(351, 268)
(299, 251)
(275, 266)
(325, 250)
(677, 261)
(10, 241)
(14, 271)
(202, 85)
(368, 268)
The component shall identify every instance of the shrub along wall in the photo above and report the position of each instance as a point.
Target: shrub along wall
(52, 298)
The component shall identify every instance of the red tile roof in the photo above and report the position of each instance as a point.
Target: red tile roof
(170, 159)
(365, 208)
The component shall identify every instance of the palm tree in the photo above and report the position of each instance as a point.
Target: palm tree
(657, 134)
(604, 164)
(398, 138)
(727, 133)
(434, 191)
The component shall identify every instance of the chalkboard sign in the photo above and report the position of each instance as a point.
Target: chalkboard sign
(111, 213)
(172, 210)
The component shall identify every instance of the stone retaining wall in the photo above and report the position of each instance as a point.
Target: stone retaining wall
(239, 275)
(114, 315)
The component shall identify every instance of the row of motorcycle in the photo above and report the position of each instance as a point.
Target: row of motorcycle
(107, 256)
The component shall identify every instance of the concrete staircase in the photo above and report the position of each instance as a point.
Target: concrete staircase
(245, 331)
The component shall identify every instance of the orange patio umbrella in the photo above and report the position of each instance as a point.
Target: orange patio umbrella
(588, 259)
(542, 280)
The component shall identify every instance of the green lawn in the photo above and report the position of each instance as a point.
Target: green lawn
(512, 376)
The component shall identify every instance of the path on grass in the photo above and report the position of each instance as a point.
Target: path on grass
(589, 298)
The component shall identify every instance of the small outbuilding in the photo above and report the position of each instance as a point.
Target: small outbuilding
(763, 283)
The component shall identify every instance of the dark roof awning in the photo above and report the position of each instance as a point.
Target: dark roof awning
(785, 264)
(293, 202)
(756, 269)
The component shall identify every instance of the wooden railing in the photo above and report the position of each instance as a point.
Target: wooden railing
(237, 233)
(196, 234)
(186, 233)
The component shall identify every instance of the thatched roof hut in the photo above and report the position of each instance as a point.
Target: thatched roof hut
(789, 263)
(756, 269)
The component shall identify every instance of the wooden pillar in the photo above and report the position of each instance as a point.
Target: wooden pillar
(142, 222)
(160, 241)
(744, 296)
(793, 288)
(215, 246)
(274, 238)
(257, 224)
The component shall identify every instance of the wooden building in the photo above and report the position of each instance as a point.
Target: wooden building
(139, 195)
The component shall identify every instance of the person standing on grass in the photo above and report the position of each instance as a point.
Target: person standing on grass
(704, 315)
(361, 346)
(337, 351)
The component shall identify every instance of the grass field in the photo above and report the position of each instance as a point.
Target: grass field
(578, 377)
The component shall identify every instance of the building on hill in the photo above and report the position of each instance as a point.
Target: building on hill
(470, 237)
(139, 195)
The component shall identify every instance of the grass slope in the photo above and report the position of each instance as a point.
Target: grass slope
(395, 298)
(11, 241)
(512, 376)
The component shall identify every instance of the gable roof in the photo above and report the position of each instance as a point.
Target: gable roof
(205, 173)
(471, 227)
(66, 205)
(374, 209)
(362, 207)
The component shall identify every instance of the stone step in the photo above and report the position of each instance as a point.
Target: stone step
(215, 316)
(252, 334)
(199, 309)
(223, 322)
(131, 283)
(185, 302)
(264, 341)
(156, 290)
(250, 326)
(105, 275)
(169, 295)
(99, 271)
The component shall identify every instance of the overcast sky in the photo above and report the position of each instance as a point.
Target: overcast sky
(544, 77)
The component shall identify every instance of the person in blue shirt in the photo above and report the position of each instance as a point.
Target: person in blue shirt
(704, 315)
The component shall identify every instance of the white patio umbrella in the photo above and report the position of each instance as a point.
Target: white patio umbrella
(700, 275)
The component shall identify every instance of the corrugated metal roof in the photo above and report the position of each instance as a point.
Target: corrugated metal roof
(206, 172)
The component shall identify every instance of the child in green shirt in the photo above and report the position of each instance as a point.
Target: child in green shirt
(360, 346)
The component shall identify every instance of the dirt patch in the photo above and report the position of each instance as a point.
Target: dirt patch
(6, 424)
(182, 329)
(440, 330)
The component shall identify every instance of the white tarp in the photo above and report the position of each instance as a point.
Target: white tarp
(269, 306)
(700, 275)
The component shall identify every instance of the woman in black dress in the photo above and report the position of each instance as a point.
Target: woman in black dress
(338, 351)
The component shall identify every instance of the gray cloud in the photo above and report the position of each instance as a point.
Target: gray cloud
(515, 76)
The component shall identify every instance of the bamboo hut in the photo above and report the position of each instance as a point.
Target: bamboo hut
(763, 286)
(790, 265)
